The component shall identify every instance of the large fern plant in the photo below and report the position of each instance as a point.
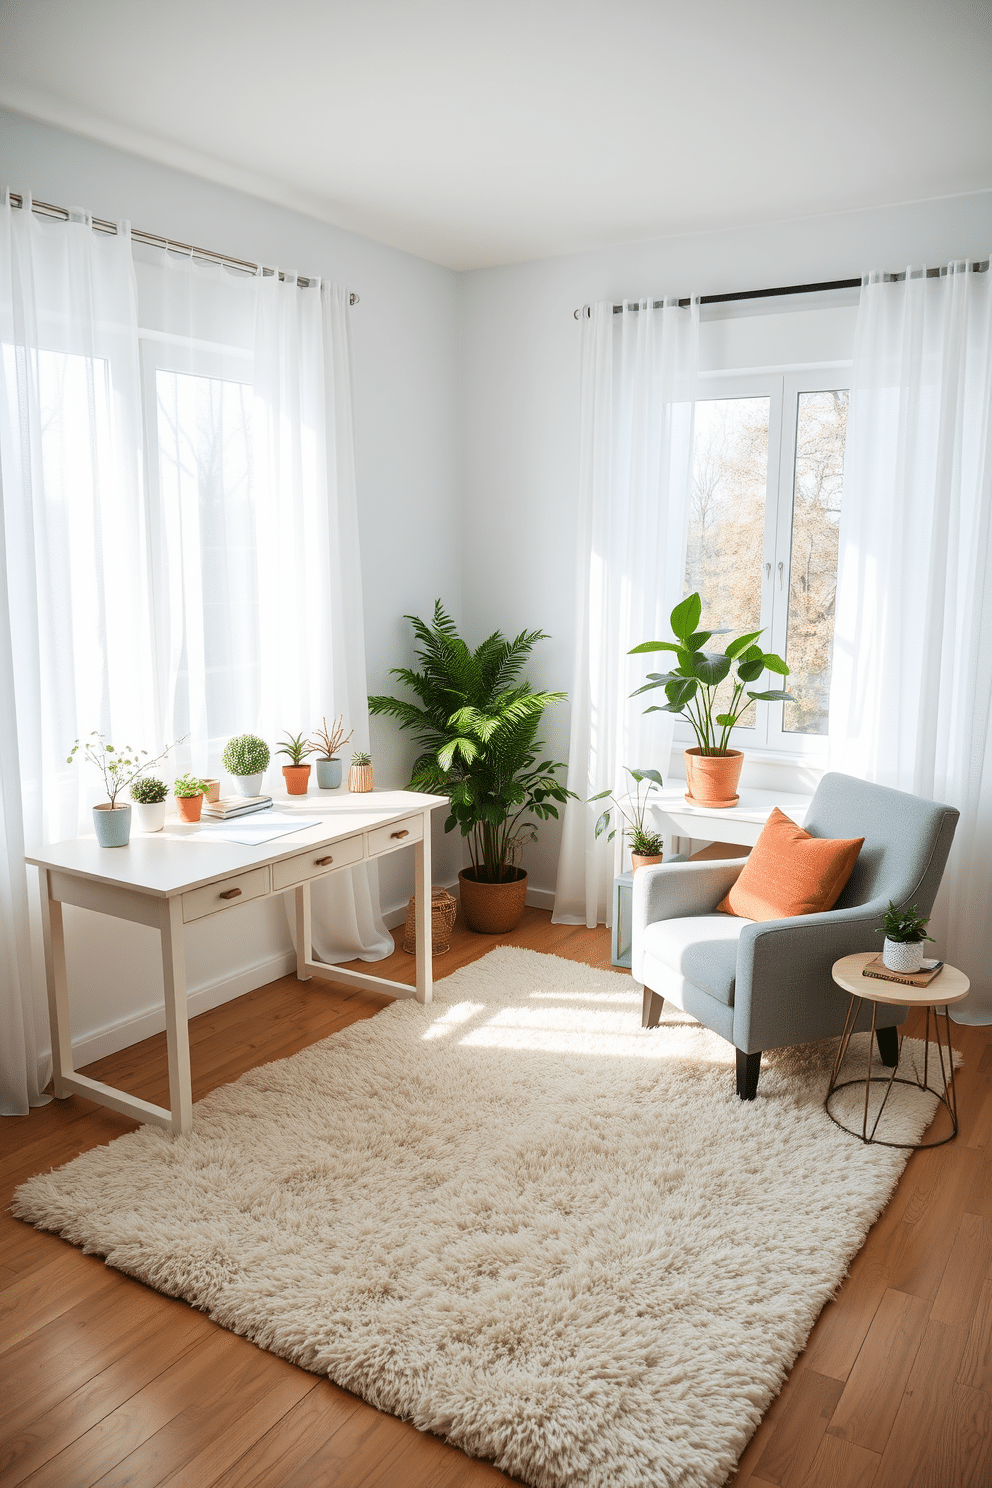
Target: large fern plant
(476, 726)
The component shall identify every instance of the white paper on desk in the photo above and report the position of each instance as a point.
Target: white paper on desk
(256, 829)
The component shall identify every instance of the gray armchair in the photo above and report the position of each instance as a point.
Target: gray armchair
(765, 984)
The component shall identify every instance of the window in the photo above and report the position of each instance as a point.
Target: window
(763, 535)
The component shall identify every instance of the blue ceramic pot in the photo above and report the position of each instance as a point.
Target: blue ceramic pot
(112, 825)
(328, 774)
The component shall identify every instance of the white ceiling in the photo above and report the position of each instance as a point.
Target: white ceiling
(477, 132)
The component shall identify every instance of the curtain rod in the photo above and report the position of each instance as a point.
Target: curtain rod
(156, 240)
(785, 289)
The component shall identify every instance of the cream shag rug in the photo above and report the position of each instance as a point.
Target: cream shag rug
(513, 1218)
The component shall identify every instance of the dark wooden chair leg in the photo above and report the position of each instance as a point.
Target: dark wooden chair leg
(748, 1069)
(888, 1046)
(651, 1009)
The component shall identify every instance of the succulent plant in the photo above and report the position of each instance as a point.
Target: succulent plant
(296, 747)
(361, 758)
(148, 790)
(245, 754)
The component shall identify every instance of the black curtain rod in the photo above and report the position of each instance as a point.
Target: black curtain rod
(785, 289)
(155, 240)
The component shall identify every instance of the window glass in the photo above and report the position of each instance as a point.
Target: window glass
(821, 429)
(727, 518)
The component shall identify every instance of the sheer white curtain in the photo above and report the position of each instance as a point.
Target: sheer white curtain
(638, 379)
(911, 694)
(180, 546)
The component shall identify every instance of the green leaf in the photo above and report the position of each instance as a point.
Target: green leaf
(775, 664)
(685, 616)
(698, 641)
(726, 720)
(711, 669)
(652, 646)
(750, 671)
(652, 775)
(772, 697)
(741, 644)
(601, 797)
(602, 823)
(680, 692)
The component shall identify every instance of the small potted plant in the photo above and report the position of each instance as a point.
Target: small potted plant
(904, 932)
(645, 846)
(119, 767)
(296, 774)
(326, 744)
(149, 795)
(189, 791)
(246, 759)
(360, 774)
(712, 768)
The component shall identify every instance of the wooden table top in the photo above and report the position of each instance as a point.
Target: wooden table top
(948, 986)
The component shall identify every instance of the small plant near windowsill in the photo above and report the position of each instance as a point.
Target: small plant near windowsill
(642, 841)
(148, 790)
(904, 931)
(328, 742)
(186, 786)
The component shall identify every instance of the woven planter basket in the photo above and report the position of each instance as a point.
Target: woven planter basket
(443, 911)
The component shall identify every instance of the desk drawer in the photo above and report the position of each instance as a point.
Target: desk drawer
(315, 862)
(397, 834)
(225, 894)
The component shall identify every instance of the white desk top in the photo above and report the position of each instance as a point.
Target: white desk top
(180, 857)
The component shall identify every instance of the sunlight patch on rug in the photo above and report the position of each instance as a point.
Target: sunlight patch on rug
(514, 1218)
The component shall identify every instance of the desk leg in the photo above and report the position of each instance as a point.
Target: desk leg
(304, 946)
(422, 889)
(58, 988)
(176, 1016)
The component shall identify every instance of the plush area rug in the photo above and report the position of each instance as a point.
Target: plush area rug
(513, 1218)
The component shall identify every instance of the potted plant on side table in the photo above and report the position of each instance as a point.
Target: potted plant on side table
(119, 767)
(905, 933)
(149, 795)
(712, 768)
(646, 846)
(327, 743)
(246, 759)
(296, 774)
(476, 727)
(189, 791)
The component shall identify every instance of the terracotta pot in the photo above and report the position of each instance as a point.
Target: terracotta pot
(360, 778)
(213, 790)
(712, 778)
(493, 909)
(640, 860)
(297, 778)
(189, 808)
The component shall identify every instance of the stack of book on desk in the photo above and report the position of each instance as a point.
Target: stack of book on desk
(229, 806)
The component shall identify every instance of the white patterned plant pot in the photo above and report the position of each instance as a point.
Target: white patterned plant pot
(247, 785)
(902, 955)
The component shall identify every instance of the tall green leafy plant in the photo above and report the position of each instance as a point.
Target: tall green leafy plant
(476, 726)
(691, 688)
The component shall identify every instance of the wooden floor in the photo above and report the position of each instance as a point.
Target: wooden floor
(105, 1381)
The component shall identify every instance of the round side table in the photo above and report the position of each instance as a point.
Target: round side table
(948, 986)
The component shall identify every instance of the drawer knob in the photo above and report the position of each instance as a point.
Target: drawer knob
(230, 893)
(404, 833)
(322, 862)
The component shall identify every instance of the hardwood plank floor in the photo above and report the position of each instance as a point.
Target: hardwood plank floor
(103, 1381)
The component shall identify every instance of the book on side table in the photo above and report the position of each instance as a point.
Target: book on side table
(229, 806)
(921, 978)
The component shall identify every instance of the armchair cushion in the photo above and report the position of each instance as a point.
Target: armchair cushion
(701, 948)
(790, 872)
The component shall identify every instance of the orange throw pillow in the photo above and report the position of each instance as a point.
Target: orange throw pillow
(790, 873)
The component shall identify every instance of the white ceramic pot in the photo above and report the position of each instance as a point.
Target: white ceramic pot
(248, 785)
(902, 955)
(151, 815)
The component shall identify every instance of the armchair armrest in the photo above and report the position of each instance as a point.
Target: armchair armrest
(785, 993)
(673, 890)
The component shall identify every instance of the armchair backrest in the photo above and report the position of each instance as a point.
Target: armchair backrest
(907, 840)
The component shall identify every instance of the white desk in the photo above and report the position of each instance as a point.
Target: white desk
(741, 823)
(169, 879)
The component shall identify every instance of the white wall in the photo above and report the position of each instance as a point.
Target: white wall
(519, 391)
(405, 334)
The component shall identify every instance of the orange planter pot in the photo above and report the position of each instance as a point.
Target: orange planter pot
(712, 778)
(642, 860)
(297, 778)
(493, 909)
(189, 808)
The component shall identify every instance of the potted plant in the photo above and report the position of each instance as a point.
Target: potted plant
(326, 745)
(360, 774)
(246, 759)
(296, 774)
(119, 767)
(905, 932)
(149, 794)
(712, 768)
(476, 728)
(189, 791)
(645, 846)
